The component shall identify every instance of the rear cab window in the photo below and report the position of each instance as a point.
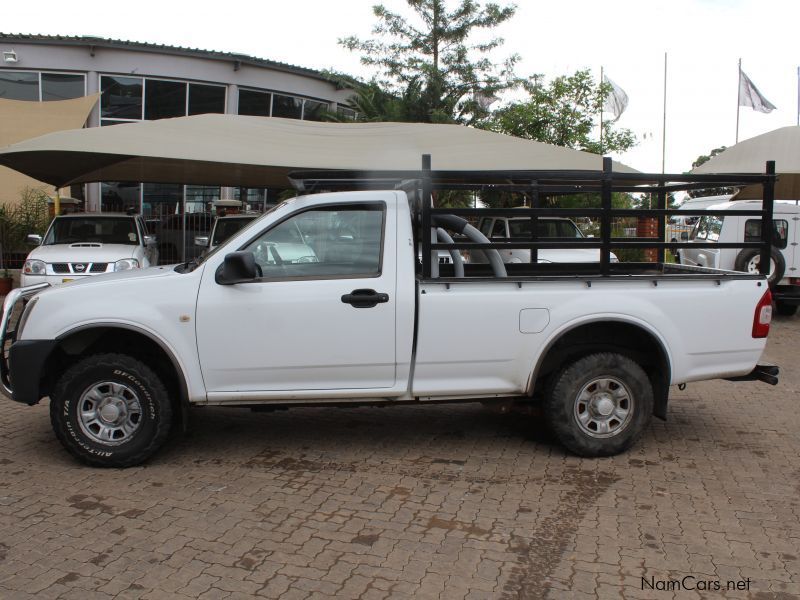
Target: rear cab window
(780, 232)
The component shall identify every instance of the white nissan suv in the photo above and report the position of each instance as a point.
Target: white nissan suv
(81, 245)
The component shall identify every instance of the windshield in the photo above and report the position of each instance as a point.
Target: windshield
(545, 228)
(225, 228)
(103, 230)
(708, 228)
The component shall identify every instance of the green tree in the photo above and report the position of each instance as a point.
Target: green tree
(431, 66)
(564, 112)
(712, 191)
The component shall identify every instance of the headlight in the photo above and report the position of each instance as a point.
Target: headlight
(126, 264)
(34, 267)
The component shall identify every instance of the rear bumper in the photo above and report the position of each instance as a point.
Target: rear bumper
(766, 373)
(787, 294)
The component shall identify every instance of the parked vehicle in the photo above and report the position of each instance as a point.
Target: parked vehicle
(124, 356)
(224, 227)
(500, 228)
(176, 245)
(679, 227)
(81, 245)
(784, 278)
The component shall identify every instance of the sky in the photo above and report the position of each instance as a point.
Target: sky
(703, 41)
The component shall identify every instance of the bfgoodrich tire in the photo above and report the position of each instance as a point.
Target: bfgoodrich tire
(599, 405)
(110, 410)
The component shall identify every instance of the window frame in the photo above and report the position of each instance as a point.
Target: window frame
(39, 74)
(774, 231)
(383, 207)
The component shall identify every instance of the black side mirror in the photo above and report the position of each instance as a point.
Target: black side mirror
(684, 236)
(239, 267)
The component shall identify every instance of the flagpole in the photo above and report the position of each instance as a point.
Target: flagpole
(664, 123)
(602, 101)
(738, 99)
(798, 95)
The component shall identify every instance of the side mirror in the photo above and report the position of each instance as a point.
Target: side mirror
(201, 240)
(150, 239)
(684, 236)
(238, 267)
(33, 240)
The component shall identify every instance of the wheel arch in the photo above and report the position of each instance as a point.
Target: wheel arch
(136, 341)
(608, 333)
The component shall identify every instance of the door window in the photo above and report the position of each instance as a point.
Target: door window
(499, 229)
(780, 231)
(333, 242)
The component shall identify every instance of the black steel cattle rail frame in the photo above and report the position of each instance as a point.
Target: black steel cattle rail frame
(538, 183)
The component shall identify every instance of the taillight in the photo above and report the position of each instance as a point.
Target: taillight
(763, 316)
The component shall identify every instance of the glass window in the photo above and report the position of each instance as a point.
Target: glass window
(105, 230)
(780, 232)
(499, 229)
(486, 226)
(19, 85)
(205, 99)
(287, 107)
(255, 104)
(545, 228)
(326, 242)
(200, 197)
(709, 228)
(122, 97)
(164, 99)
(346, 113)
(161, 199)
(227, 226)
(119, 196)
(314, 111)
(60, 86)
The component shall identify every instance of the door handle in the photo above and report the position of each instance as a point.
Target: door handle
(365, 298)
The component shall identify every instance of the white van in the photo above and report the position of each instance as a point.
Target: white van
(684, 224)
(784, 271)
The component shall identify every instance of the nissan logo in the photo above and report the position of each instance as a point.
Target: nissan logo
(79, 268)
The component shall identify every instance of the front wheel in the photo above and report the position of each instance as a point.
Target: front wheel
(110, 410)
(599, 404)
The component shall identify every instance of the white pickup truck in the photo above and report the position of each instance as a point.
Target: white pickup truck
(123, 356)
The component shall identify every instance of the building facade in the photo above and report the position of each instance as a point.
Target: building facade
(140, 81)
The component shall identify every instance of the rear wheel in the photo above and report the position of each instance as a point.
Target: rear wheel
(599, 404)
(110, 410)
(784, 309)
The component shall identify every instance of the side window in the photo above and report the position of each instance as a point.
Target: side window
(709, 228)
(780, 232)
(499, 229)
(486, 227)
(324, 243)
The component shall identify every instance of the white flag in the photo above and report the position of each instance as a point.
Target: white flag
(750, 96)
(617, 100)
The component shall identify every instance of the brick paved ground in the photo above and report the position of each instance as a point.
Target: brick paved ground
(431, 502)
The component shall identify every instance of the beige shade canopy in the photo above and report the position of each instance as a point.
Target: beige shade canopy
(750, 156)
(233, 150)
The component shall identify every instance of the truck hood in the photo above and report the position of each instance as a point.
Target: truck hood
(83, 252)
(106, 278)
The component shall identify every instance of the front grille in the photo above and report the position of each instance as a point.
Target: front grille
(60, 268)
(80, 268)
(99, 267)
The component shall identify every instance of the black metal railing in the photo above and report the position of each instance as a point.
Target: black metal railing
(538, 184)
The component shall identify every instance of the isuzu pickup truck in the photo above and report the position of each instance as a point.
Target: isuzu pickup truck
(123, 356)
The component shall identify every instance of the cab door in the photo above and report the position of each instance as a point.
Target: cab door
(320, 318)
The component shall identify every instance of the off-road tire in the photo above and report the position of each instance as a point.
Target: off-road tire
(566, 386)
(747, 254)
(155, 419)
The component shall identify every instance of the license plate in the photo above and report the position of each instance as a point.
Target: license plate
(65, 280)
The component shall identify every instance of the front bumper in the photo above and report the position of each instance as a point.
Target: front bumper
(8, 333)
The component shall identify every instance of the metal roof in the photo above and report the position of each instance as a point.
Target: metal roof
(91, 43)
